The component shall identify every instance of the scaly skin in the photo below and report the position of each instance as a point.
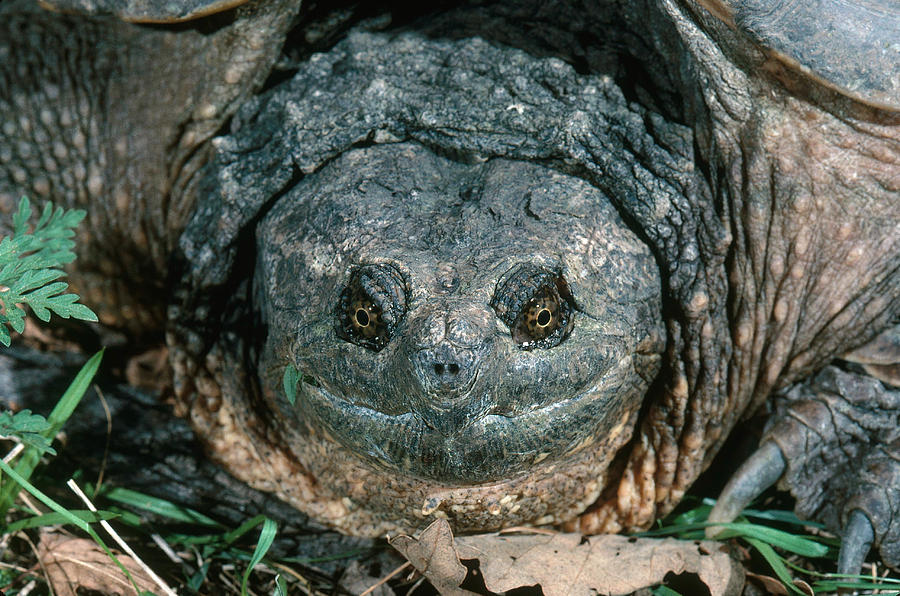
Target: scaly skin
(768, 202)
(98, 115)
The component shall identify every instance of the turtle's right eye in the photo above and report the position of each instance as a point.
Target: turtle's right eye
(371, 306)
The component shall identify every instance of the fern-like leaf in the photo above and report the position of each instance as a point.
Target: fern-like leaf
(30, 262)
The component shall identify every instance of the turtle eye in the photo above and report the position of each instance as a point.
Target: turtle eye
(536, 305)
(371, 306)
(539, 318)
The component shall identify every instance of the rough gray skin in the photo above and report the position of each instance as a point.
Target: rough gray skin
(105, 122)
(453, 397)
(753, 244)
(767, 201)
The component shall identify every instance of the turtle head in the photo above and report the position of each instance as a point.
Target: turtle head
(456, 323)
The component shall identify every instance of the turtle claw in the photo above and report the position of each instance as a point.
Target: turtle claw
(834, 443)
(759, 472)
(856, 541)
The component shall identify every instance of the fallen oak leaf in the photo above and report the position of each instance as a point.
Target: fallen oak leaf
(568, 564)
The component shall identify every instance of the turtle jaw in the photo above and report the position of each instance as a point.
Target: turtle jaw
(489, 447)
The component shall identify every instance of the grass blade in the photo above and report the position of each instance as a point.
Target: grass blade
(266, 537)
(55, 519)
(784, 540)
(775, 562)
(159, 506)
(61, 412)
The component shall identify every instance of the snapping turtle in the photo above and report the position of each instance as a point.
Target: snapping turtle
(533, 263)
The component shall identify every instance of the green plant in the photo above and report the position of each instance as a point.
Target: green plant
(30, 267)
(754, 528)
(30, 261)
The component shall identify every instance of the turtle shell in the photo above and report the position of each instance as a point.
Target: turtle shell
(850, 46)
(143, 11)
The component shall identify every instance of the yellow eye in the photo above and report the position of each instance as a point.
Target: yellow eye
(371, 306)
(539, 318)
(536, 305)
(365, 318)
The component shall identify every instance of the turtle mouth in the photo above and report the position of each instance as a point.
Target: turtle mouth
(492, 447)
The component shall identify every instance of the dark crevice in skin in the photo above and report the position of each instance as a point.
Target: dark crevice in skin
(207, 25)
(226, 303)
(319, 26)
(528, 210)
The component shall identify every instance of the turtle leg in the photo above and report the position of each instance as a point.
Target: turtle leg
(834, 442)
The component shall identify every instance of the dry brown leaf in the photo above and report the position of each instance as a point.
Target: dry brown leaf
(804, 587)
(772, 585)
(575, 564)
(73, 563)
(434, 555)
(572, 564)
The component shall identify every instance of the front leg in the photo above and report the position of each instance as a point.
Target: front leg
(834, 442)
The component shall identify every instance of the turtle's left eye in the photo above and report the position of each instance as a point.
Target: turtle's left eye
(371, 306)
(536, 305)
(539, 317)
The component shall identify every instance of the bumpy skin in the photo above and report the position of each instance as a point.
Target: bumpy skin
(99, 115)
(768, 204)
(452, 400)
(754, 245)
(144, 11)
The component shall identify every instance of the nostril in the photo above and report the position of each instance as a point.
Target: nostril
(446, 370)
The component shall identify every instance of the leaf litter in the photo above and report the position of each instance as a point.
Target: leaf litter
(73, 563)
(567, 563)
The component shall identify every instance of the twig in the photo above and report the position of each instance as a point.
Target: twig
(40, 561)
(164, 547)
(386, 578)
(108, 437)
(124, 546)
(13, 453)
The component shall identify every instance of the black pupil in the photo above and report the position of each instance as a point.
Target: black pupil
(362, 317)
(543, 318)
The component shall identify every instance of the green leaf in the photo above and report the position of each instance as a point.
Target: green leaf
(291, 377)
(55, 519)
(159, 507)
(30, 265)
(30, 457)
(28, 428)
(21, 217)
(775, 562)
(266, 537)
(783, 540)
(244, 528)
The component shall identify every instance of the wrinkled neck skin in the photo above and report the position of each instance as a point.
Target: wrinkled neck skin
(807, 242)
